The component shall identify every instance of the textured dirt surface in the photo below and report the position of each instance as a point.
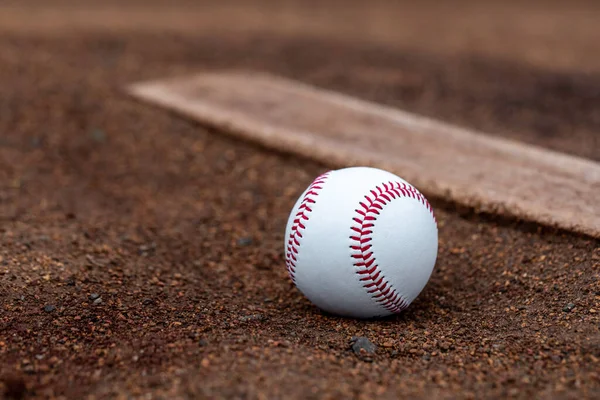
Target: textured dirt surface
(141, 254)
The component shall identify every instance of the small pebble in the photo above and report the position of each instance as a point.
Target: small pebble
(49, 308)
(146, 248)
(98, 301)
(363, 348)
(253, 317)
(244, 241)
(36, 141)
(94, 296)
(147, 302)
(98, 135)
(569, 307)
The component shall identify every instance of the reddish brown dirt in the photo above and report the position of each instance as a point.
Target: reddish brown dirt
(179, 231)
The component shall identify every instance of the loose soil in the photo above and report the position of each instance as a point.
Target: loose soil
(141, 255)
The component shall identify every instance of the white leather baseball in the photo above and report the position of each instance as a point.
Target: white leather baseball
(361, 242)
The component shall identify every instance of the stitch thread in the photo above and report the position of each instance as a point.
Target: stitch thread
(302, 216)
(366, 265)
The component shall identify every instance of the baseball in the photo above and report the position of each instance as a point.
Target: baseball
(361, 242)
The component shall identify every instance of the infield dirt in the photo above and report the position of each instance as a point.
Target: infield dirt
(142, 254)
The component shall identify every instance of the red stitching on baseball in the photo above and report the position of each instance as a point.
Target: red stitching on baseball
(303, 214)
(366, 266)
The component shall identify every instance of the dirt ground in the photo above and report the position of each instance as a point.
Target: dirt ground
(141, 255)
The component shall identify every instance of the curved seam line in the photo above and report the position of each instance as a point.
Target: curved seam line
(374, 281)
(300, 219)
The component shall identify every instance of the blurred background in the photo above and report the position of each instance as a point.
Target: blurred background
(528, 70)
(533, 31)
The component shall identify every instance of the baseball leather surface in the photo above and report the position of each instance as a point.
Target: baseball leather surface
(361, 242)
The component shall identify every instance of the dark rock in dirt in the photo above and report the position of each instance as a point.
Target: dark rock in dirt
(253, 317)
(94, 296)
(49, 308)
(98, 135)
(245, 241)
(147, 302)
(363, 348)
(569, 307)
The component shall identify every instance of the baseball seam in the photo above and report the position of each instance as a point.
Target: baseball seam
(370, 275)
(298, 226)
